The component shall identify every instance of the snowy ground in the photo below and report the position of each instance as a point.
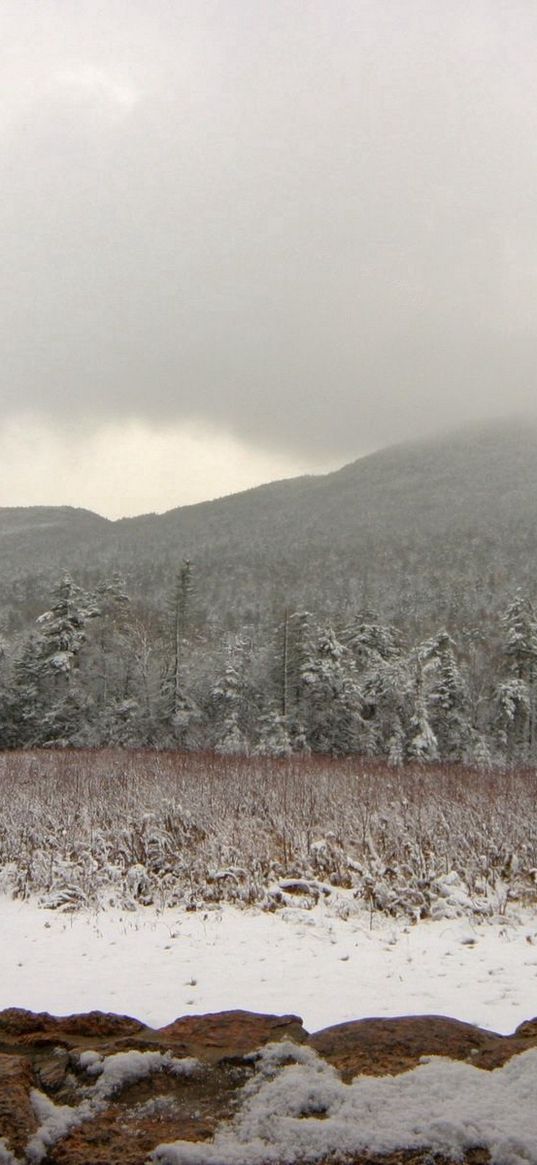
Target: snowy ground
(157, 966)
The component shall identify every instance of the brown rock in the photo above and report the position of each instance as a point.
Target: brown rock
(379, 1047)
(527, 1031)
(116, 1138)
(25, 1028)
(52, 1070)
(17, 1117)
(230, 1034)
(150, 1112)
(165, 1107)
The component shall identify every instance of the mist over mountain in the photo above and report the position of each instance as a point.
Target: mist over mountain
(436, 529)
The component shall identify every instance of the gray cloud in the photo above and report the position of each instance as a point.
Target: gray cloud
(313, 224)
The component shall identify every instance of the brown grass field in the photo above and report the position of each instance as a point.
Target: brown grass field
(131, 828)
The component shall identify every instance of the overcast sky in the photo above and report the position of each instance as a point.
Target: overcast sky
(246, 238)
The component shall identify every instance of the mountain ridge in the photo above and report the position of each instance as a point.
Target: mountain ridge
(471, 436)
(404, 527)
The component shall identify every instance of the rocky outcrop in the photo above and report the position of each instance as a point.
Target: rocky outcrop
(70, 1093)
(381, 1047)
(230, 1035)
(18, 1120)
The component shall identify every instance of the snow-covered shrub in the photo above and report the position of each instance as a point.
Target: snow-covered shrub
(132, 829)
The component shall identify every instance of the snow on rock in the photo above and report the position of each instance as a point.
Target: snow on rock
(56, 1121)
(303, 1111)
(125, 1068)
(114, 1072)
(369, 1088)
(91, 1061)
(6, 1156)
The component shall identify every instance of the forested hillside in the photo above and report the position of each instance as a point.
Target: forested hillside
(428, 533)
(384, 609)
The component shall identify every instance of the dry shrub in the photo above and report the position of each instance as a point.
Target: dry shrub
(140, 827)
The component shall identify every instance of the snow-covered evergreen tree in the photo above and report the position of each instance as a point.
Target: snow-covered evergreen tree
(178, 709)
(371, 641)
(515, 692)
(48, 703)
(273, 736)
(386, 685)
(422, 743)
(331, 701)
(232, 701)
(446, 696)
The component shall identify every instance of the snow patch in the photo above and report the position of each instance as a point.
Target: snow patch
(123, 1068)
(90, 1061)
(6, 1156)
(442, 1105)
(57, 1120)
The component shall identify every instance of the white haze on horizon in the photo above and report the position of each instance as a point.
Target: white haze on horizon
(125, 470)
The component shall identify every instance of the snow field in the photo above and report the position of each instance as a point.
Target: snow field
(158, 965)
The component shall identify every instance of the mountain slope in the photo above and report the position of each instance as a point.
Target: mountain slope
(433, 529)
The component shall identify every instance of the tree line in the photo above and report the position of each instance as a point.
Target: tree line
(97, 669)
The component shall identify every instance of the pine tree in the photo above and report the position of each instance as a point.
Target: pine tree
(516, 691)
(181, 613)
(422, 743)
(231, 701)
(331, 701)
(273, 738)
(371, 641)
(104, 669)
(387, 700)
(178, 709)
(50, 704)
(22, 705)
(385, 682)
(446, 697)
(62, 628)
